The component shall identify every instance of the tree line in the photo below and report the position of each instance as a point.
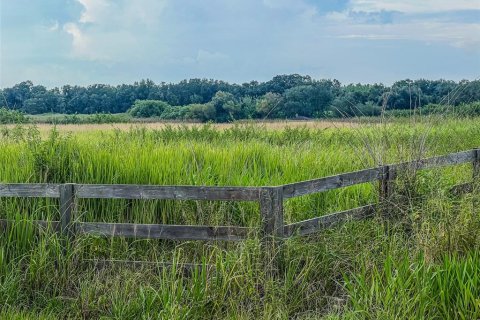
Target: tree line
(284, 96)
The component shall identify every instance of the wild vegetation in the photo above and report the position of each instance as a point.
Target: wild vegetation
(12, 116)
(284, 96)
(420, 263)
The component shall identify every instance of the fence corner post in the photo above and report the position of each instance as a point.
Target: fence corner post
(67, 211)
(272, 232)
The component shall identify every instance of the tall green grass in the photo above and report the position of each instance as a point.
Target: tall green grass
(349, 272)
(407, 289)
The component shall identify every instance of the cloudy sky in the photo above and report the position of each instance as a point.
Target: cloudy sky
(54, 42)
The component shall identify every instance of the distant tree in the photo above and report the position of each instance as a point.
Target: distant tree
(281, 83)
(248, 107)
(202, 112)
(18, 94)
(269, 105)
(405, 94)
(148, 108)
(225, 106)
(176, 113)
(282, 96)
(144, 89)
(467, 92)
(307, 101)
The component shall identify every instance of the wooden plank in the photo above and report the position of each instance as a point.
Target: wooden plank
(271, 210)
(67, 209)
(328, 221)
(386, 189)
(435, 162)
(119, 191)
(30, 190)
(368, 175)
(476, 180)
(272, 229)
(53, 225)
(476, 166)
(332, 182)
(161, 231)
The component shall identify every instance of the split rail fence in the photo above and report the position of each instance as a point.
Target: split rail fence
(270, 199)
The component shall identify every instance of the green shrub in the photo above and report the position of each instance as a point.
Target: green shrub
(175, 113)
(202, 112)
(12, 116)
(147, 108)
(463, 110)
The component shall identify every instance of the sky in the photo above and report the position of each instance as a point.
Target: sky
(57, 42)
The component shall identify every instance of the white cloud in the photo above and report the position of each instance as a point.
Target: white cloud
(413, 6)
(94, 10)
(239, 40)
(115, 31)
(417, 22)
(458, 35)
(80, 43)
(147, 12)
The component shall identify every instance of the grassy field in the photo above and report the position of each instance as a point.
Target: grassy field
(421, 264)
(45, 128)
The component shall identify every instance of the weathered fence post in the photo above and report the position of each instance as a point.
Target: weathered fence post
(476, 166)
(476, 179)
(271, 210)
(386, 189)
(67, 211)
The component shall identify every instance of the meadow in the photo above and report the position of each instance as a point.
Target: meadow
(421, 264)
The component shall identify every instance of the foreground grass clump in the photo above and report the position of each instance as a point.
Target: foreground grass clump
(407, 289)
(421, 263)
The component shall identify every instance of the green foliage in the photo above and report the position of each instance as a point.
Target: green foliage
(202, 112)
(148, 108)
(97, 118)
(175, 113)
(406, 289)
(12, 116)
(421, 264)
(342, 108)
(462, 110)
(269, 104)
(307, 101)
(300, 95)
(225, 105)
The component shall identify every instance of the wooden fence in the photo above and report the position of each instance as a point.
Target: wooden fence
(270, 199)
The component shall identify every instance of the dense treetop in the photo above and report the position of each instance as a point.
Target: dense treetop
(285, 96)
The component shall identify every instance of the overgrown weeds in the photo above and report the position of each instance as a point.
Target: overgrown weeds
(419, 264)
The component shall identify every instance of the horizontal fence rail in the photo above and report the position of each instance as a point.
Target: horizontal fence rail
(125, 191)
(30, 190)
(327, 221)
(269, 199)
(162, 231)
(329, 183)
(439, 161)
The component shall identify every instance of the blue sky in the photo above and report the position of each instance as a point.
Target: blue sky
(55, 42)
